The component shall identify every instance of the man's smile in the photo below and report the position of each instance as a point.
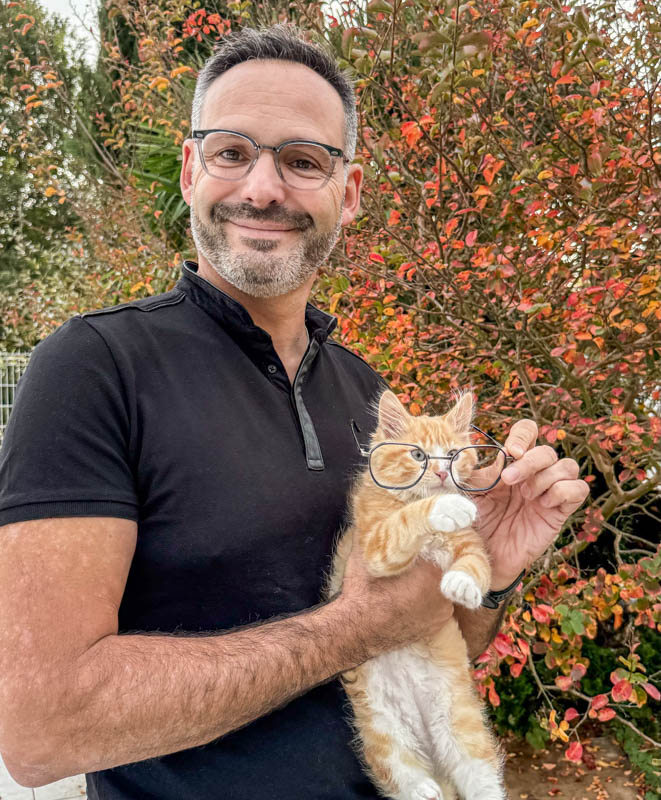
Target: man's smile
(256, 230)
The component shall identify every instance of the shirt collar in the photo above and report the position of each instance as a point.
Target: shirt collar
(231, 314)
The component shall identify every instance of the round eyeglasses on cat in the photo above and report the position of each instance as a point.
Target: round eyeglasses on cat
(301, 164)
(401, 465)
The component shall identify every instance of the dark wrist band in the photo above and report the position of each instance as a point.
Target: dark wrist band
(493, 599)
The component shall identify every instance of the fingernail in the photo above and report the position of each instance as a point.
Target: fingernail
(511, 474)
(516, 450)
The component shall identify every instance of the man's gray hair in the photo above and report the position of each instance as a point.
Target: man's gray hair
(285, 43)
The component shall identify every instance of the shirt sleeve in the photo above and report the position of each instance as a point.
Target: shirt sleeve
(65, 451)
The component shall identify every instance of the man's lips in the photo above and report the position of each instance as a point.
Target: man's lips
(262, 229)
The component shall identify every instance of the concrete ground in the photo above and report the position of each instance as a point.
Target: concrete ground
(67, 789)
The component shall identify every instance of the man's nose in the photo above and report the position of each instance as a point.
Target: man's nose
(263, 185)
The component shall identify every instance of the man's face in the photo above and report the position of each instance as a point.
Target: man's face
(257, 233)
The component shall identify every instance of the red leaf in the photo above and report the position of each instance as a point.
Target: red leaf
(605, 714)
(542, 613)
(563, 682)
(652, 691)
(570, 714)
(378, 258)
(470, 238)
(515, 669)
(621, 691)
(502, 645)
(574, 752)
(599, 701)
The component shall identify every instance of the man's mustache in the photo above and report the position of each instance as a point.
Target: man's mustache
(225, 212)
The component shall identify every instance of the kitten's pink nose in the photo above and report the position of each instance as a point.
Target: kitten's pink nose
(442, 474)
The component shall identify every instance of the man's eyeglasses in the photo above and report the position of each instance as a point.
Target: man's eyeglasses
(474, 468)
(301, 164)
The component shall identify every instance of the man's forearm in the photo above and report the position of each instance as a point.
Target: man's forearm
(479, 627)
(133, 697)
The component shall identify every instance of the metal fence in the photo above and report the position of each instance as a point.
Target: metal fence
(12, 366)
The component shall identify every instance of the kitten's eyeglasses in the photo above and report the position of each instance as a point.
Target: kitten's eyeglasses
(400, 465)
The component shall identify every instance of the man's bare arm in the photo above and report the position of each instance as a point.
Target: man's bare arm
(77, 697)
(479, 627)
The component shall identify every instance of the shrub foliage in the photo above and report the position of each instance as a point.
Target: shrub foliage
(508, 242)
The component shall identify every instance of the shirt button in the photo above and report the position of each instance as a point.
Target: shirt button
(272, 369)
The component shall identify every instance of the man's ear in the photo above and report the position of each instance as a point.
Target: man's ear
(186, 175)
(352, 193)
(392, 415)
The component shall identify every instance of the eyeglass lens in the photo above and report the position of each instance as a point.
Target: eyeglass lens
(466, 468)
(397, 466)
(400, 466)
(302, 166)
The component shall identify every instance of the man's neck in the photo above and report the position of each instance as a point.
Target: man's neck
(282, 317)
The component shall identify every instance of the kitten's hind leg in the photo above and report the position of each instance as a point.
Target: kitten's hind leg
(397, 767)
(463, 747)
(397, 770)
(477, 773)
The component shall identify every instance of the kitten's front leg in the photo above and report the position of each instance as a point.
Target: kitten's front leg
(390, 545)
(462, 554)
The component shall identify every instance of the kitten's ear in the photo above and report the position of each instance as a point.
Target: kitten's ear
(461, 416)
(392, 414)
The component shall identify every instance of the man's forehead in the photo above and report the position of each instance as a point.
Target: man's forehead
(282, 91)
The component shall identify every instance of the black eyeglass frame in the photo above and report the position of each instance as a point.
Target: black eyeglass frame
(334, 152)
(424, 464)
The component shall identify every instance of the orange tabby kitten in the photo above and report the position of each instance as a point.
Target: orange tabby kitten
(416, 711)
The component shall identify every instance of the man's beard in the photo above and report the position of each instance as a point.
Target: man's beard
(257, 273)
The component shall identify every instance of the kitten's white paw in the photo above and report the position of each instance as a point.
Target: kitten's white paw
(427, 789)
(461, 588)
(452, 512)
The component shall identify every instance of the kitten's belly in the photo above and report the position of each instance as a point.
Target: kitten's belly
(410, 691)
(438, 553)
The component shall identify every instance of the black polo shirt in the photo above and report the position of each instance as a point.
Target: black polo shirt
(176, 412)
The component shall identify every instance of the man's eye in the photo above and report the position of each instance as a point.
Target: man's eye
(417, 455)
(303, 164)
(229, 155)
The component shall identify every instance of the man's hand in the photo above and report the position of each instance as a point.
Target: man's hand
(522, 515)
(393, 611)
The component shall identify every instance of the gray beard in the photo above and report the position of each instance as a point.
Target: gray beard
(257, 273)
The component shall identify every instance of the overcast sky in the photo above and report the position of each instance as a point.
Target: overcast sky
(81, 16)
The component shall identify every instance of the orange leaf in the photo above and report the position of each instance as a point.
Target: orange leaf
(452, 224)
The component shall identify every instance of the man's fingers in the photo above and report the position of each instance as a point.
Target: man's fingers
(564, 470)
(532, 462)
(566, 496)
(521, 438)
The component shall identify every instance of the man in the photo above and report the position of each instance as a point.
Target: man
(176, 470)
